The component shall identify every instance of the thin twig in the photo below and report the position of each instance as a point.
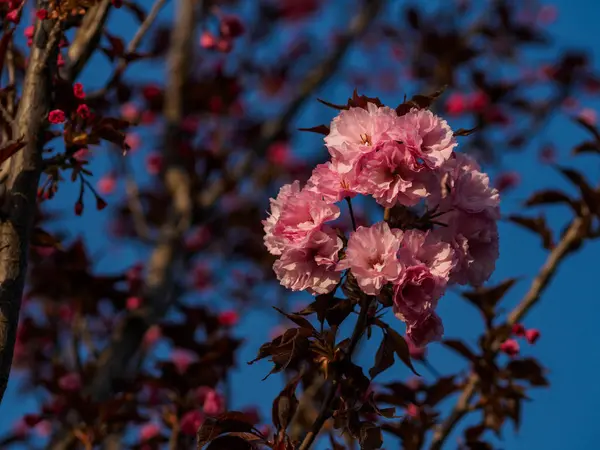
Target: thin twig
(349, 201)
(573, 235)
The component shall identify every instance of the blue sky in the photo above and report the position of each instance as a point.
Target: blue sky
(561, 417)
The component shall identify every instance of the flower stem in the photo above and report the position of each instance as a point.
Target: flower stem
(349, 201)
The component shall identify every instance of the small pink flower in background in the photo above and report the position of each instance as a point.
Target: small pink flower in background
(56, 116)
(13, 16)
(28, 31)
(229, 318)
(413, 411)
(330, 184)
(154, 163)
(208, 40)
(152, 335)
(133, 140)
(214, 403)
(201, 276)
(510, 347)
(417, 353)
(149, 431)
(547, 14)
(588, 115)
(456, 104)
(78, 90)
(197, 239)
(107, 184)
(20, 428)
(507, 180)
(532, 335)
(231, 26)
(133, 303)
(279, 153)
(60, 60)
(518, 330)
(70, 382)
(356, 131)
(83, 111)
(66, 313)
(182, 359)
(44, 428)
(148, 117)
(191, 421)
(41, 14)
(224, 45)
(372, 257)
(478, 101)
(134, 276)
(130, 112)
(151, 92)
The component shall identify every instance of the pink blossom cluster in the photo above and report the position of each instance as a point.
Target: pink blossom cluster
(399, 160)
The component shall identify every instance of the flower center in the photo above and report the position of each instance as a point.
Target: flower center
(366, 139)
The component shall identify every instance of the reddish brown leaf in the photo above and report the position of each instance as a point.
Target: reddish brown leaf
(537, 225)
(320, 129)
(229, 422)
(486, 299)
(529, 370)
(465, 131)
(229, 443)
(285, 405)
(297, 319)
(384, 358)
(401, 348)
(370, 437)
(589, 195)
(588, 126)
(549, 197)
(10, 149)
(461, 348)
(41, 238)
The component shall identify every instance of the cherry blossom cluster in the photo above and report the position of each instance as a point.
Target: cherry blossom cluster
(404, 160)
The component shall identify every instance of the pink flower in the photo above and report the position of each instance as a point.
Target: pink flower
(208, 40)
(413, 411)
(372, 258)
(279, 153)
(456, 104)
(428, 137)
(152, 335)
(83, 111)
(129, 111)
(78, 90)
(56, 116)
(107, 184)
(391, 175)
(133, 140)
(149, 431)
(428, 262)
(311, 267)
(518, 330)
(213, 403)
(532, 335)
(229, 318)
(300, 215)
(510, 347)
(133, 303)
(427, 328)
(588, 115)
(29, 31)
(182, 359)
(507, 180)
(356, 131)
(191, 421)
(154, 163)
(70, 382)
(41, 14)
(331, 184)
(464, 187)
(474, 238)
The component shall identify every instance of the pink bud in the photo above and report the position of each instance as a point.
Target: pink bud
(149, 431)
(106, 185)
(70, 382)
(413, 411)
(588, 115)
(518, 330)
(213, 403)
(224, 45)
(13, 16)
(208, 40)
(154, 163)
(133, 303)
(151, 92)
(279, 153)
(133, 140)
(229, 318)
(56, 116)
(456, 104)
(78, 90)
(42, 14)
(532, 335)
(129, 112)
(83, 111)
(28, 31)
(510, 347)
(182, 359)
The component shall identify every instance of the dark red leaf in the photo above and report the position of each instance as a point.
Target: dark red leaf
(461, 348)
(384, 358)
(537, 225)
(320, 129)
(401, 348)
(10, 149)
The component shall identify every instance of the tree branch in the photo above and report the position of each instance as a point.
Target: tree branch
(19, 200)
(163, 263)
(573, 236)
